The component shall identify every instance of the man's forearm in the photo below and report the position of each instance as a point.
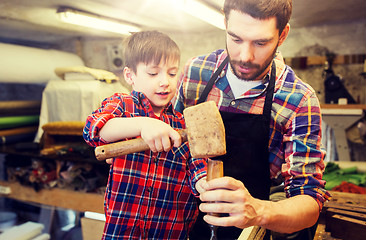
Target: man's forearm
(289, 215)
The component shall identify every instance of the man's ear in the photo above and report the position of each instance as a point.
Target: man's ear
(284, 34)
(127, 74)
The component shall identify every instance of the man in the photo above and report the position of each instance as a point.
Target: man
(272, 121)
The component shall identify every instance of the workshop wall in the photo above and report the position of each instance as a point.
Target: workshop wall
(341, 39)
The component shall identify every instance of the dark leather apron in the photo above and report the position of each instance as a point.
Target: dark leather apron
(247, 137)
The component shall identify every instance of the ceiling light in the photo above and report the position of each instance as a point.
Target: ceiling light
(94, 21)
(205, 13)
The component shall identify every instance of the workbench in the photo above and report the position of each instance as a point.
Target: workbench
(343, 217)
(56, 197)
(51, 199)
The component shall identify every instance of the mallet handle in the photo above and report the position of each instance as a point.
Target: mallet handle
(126, 147)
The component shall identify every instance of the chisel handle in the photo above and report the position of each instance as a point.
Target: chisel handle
(126, 147)
(215, 169)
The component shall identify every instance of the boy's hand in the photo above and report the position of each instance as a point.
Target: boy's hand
(200, 185)
(159, 135)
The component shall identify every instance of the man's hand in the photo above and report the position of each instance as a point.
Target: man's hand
(227, 195)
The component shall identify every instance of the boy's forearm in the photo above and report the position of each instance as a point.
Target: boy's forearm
(121, 128)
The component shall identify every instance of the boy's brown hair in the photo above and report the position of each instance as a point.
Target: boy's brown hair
(149, 47)
(262, 9)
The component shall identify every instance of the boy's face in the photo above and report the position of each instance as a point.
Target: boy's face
(251, 44)
(157, 82)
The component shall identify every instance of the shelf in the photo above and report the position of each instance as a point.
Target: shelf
(87, 156)
(62, 198)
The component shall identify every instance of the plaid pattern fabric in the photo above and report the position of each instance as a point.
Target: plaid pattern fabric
(296, 156)
(149, 195)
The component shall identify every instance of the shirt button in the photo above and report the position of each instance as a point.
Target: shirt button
(233, 103)
(149, 189)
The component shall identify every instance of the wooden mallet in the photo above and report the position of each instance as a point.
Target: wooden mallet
(204, 131)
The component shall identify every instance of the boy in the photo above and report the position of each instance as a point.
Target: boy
(150, 195)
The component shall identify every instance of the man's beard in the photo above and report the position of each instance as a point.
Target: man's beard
(256, 74)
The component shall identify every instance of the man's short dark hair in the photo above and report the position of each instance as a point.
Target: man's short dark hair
(262, 9)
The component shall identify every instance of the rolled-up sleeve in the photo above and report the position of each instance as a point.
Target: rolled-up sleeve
(110, 108)
(197, 168)
(304, 155)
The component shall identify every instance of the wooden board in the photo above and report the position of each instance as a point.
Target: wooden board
(6, 106)
(345, 216)
(346, 207)
(77, 201)
(348, 198)
(92, 229)
(304, 62)
(346, 106)
(18, 130)
(346, 228)
(351, 214)
(18, 108)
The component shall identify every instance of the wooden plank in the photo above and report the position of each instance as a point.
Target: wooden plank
(62, 198)
(348, 198)
(347, 201)
(346, 207)
(92, 229)
(320, 60)
(316, 60)
(11, 105)
(347, 106)
(19, 130)
(346, 228)
(351, 214)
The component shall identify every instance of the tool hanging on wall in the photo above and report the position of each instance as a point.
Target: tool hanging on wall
(334, 88)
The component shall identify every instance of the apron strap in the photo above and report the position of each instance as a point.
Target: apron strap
(210, 83)
(269, 98)
(269, 93)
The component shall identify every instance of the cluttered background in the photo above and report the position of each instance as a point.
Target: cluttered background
(53, 74)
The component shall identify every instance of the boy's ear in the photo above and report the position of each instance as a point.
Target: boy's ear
(127, 74)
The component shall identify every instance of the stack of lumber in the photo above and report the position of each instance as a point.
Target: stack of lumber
(18, 121)
(345, 216)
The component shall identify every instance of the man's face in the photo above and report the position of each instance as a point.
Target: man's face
(251, 44)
